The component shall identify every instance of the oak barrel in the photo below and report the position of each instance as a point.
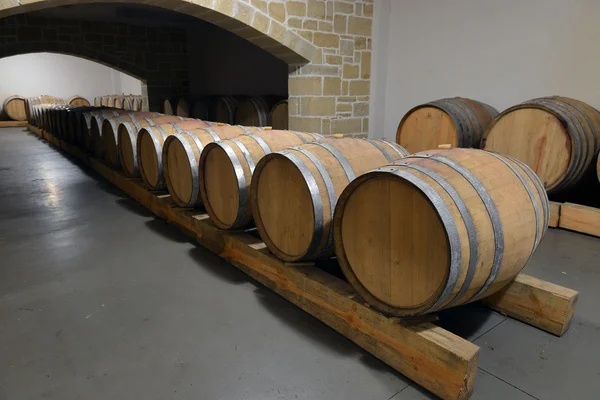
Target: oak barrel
(97, 101)
(118, 102)
(181, 155)
(14, 108)
(168, 107)
(138, 103)
(110, 131)
(91, 127)
(557, 137)
(150, 147)
(200, 110)
(226, 170)
(224, 109)
(77, 100)
(280, 115)
(457, 121)
(127, 141)
(183, 108)
(254, 111)
(294, 192)
(152, 144)
(437, 229)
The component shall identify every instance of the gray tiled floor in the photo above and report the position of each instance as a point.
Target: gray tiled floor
(98, 300)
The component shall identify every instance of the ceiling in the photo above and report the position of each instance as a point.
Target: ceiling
(128, 13)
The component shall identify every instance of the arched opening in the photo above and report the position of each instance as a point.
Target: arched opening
(319, 49)
(63, 76)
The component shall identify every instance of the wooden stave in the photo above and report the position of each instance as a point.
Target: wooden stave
(598, 167)
(261, 115)
(168, 108)
(110, 131)
(158, 135)
(321, 245)
(194, 146)
(193, 141)
(532, 186)
(128, 131)
(93, 134)
(200, 110)
(565, 110)
(224, 103)
(466, 114)
(183, 108)
(138, 103)
(75, 99)
(238, 154)
(275, 111)
(15, 117)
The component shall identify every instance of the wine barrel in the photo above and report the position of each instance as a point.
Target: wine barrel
(437, 229)
(150, 146)
(118, 102)
(138, 103)
(557, 137)
(200, 110)
(183, 108)
(181, 153)
(74, 122)
(224, 109)
(110, 101)
(254, 111)
(77, 100)
(226, 170)
(128, 104)
(91, 128)
(168, 107)
(280, 115)
(97, 101)
(14, 108)
(127, 141)
(457, 121)
(110, 130)
(47, 99)
(294, 192)
(598, 168)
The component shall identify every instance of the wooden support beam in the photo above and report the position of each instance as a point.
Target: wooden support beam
(554, 214)
(12, 124)
(536, 302)
(580, 218)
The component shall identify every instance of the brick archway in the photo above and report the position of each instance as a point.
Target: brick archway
(252, 22)
(326, 44)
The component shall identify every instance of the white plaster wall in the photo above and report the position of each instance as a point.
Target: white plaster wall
(61, 75)
(498, 52)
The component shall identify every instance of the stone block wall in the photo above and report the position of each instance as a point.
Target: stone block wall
(331, 94)
(155, 55)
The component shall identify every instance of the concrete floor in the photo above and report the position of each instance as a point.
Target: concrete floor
(100, 300)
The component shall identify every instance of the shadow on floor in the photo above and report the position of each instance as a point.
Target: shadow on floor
(317, 331)
(169, 232)
(131, 205)
(469, 321)
(218, 267)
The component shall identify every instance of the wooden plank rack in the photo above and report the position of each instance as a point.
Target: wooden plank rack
(12, 124)
(576, 217)
(432, 357)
